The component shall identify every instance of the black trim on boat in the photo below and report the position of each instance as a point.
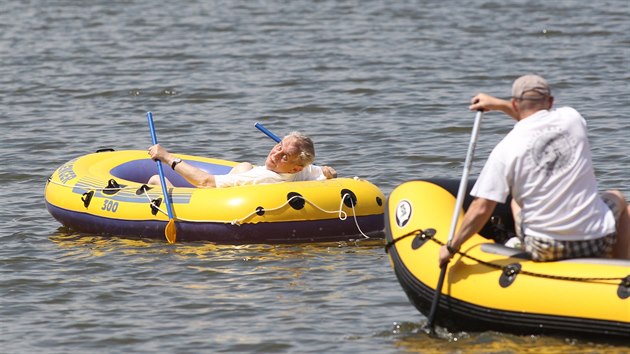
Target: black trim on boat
(466, 316)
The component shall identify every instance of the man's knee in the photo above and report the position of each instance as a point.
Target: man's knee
(616, 202)
(155, 179)
(616, 195)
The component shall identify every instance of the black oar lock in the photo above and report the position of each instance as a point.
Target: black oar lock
(155, 204)
(113, 187)
(509, 274)
(143, 189)
(349, 198)
(624, 288)
(87, 198)
(296, 201)
(422, 238)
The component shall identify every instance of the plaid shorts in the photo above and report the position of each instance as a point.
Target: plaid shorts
(544, 249)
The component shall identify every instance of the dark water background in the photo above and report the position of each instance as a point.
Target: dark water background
(383, 88)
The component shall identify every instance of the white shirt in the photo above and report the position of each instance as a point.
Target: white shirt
(261, 175)
(545, 162)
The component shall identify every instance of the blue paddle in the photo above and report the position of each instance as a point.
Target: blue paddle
(170, 231)
(458, 205)
(266, 131)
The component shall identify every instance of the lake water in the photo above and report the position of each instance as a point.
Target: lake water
(382, 87)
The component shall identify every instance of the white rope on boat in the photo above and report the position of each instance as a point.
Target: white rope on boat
(342, 215)
(354, 214)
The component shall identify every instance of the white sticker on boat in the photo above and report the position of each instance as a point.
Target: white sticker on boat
(403, 213)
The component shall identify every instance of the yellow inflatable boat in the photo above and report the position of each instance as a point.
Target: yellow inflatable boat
(104, 193)
(489, 286)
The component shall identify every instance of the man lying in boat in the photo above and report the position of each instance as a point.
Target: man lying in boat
(290, 160)
(545, 163)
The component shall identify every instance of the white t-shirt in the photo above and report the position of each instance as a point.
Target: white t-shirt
(545, 162)
(261, 175)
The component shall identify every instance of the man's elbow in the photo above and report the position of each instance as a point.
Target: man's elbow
(483, 207)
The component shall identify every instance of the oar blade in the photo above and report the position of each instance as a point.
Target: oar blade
(171, 231)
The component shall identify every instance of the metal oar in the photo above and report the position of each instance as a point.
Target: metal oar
(463, 184)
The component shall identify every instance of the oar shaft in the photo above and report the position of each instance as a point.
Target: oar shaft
(461, 193)
(267, 132)
(160, 169)
(436, 298)
(463, 184)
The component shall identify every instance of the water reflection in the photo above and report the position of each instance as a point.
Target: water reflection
(99, 245)
(413, 338)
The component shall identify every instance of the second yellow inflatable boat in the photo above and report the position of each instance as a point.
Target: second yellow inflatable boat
(491, 286)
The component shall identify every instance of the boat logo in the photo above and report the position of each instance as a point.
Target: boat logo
(403, 213)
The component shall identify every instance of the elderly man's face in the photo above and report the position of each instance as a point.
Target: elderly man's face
(283, 158)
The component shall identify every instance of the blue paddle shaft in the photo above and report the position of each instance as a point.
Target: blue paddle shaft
(266, 131)
(160, 170)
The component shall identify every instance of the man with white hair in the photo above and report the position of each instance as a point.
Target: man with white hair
(289, 160)
(545, 164)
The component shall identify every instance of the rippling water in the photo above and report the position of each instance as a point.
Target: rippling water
(382, 87)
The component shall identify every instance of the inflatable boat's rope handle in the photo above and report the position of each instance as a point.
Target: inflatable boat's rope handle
(508, 269)
(144, 190)
(341, 214)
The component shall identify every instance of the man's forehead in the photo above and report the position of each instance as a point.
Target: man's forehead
(289, 143)
(290, 147)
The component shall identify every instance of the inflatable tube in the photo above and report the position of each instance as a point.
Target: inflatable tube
(104, 193)
(489, 286)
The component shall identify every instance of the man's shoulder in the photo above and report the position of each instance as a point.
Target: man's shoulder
(308, 173)
(568, 111)
(570, 117)
(261, 170)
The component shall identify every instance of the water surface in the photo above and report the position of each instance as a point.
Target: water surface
(382, 87)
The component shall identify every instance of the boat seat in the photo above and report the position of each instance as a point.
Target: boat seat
(608, 261)
(496, 248)
(503, 250)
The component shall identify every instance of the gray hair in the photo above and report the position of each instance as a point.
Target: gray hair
(306, 147)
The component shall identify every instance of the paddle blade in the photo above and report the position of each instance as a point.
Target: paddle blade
(170, 231)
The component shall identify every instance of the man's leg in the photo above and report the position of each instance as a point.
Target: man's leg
(617, 203)
(155, 180)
